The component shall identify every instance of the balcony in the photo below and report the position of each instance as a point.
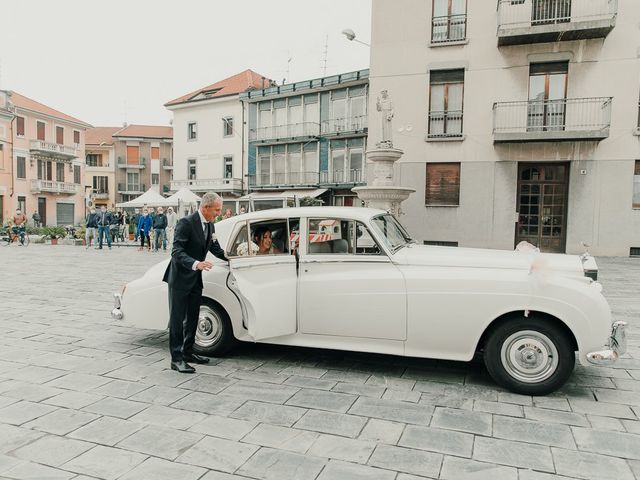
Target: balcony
(229, 185)
(48, 186)
(122, 163)
(166, 164)
(567, 119)
(538, 21)
(445, 125)
(293, 132)
(99, 195)
(284, 180)
(448, 29)
(340, 177)
(342, 126)
(52, 150)
(131, 189)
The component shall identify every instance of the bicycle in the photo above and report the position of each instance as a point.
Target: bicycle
(17, 234)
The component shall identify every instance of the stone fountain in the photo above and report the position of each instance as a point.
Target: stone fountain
(381, 191)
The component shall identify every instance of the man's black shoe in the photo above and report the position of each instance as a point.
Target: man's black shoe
(182, 367)
(193, 358)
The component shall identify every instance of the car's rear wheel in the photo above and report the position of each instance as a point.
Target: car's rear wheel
(529, 355)
(214, 334)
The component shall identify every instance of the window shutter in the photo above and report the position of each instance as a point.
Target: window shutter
(20, 126)
(40, 131)
(155, 153)
(60, 135)
(76, 136)
(133, 157)
(443, 184)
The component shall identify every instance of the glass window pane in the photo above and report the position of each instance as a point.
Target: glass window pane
(437, 98)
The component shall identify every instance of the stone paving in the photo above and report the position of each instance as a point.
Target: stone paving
(82, 396)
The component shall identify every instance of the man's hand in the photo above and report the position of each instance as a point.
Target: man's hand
(204, 265)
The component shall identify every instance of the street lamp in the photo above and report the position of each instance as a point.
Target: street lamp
(351, 36)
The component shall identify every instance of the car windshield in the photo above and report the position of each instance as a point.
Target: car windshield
(391, 232)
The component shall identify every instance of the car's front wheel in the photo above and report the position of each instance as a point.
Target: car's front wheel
(529, 355)
(214, 334)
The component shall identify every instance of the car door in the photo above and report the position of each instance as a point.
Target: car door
(348, 286)
(265, 284)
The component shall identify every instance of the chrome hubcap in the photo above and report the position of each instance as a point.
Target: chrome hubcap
(209, 328)
(529, 356)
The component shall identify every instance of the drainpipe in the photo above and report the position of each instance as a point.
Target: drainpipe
(242, 158)
(11, 155)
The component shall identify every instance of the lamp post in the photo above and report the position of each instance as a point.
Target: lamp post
(351, 36)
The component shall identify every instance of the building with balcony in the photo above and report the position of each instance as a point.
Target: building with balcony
(143, 159)
(41, 161)
(517, 122)
(100, 170)
(309, 136)
(209, 136)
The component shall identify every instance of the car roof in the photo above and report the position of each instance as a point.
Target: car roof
(356, 213)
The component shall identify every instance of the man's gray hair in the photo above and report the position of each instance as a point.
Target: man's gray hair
(210, 198)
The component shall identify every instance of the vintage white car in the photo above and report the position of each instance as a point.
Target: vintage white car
(352, 279)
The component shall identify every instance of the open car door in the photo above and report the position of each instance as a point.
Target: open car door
(266, 286)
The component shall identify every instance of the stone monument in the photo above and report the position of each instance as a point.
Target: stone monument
(381, 192)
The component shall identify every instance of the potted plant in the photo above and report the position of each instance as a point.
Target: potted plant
(54, 233)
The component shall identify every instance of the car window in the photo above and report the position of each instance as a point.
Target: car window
(239, 245)
(269, 237)
(365, 244)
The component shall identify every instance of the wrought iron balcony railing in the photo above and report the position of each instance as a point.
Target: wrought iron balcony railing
(449, 28)
(123, 163)
(284, 132)
(536, 21)
(445, 124)
(549, 120)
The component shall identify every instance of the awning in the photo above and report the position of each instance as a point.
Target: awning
(284, 194)
(150, 198)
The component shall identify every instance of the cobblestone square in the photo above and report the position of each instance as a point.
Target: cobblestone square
(84, 396)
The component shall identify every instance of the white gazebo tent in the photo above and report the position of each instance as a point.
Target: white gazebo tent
(150, 198)
(184, 200)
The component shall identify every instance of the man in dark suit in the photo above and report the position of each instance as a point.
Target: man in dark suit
(193, 238)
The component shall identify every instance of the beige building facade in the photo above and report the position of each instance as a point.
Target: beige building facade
(43, 159)
(518, 122)
(100, 171)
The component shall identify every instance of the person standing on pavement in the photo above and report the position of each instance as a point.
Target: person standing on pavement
(135, 218)
(160, 230)
(104, 225)
(36, 219)
(144, 228)
(92, 228)
(172, 220)
(194, 237)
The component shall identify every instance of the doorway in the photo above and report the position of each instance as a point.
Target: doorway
(542, 205)
(42, 210)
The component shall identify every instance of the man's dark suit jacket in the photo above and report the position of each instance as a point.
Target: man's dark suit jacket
(189, 245)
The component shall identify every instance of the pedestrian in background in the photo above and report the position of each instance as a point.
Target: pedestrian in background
(144, 228)
(36, 219)
(92, 228)
(172, 220)
(160, 229)
(135, 218)
(104, 226)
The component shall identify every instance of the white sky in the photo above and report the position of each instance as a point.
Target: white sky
(96, 60)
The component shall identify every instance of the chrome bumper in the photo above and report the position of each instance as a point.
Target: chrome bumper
(617, 345)
(116, 313)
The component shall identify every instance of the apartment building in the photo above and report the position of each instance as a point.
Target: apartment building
(100, 170)
(144, 160)
(309, 137)
(43, 159)
(518, 122)
(209, 136)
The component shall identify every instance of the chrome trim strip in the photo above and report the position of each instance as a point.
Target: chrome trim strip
(617, 344)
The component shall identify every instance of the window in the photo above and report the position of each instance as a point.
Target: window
(40, 131)
(155, 153)
(155, 179)
(443, 184)
(1, 156)
(20, 126)
(94, 160)
(192, 132)
(269, 237)
(76, 174)
(76, 137)
(547, 96)
(294, 163)
(101, 184)
(347, 157)
(448, 21)
(191, 169)
(22, 204)
(60, 171)
(228, 167)
(337, 236)
(21, 171)
(445, 108)
(133, 155)
(133, 181)
(227, 126)
(636, 185)
(60, 135)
